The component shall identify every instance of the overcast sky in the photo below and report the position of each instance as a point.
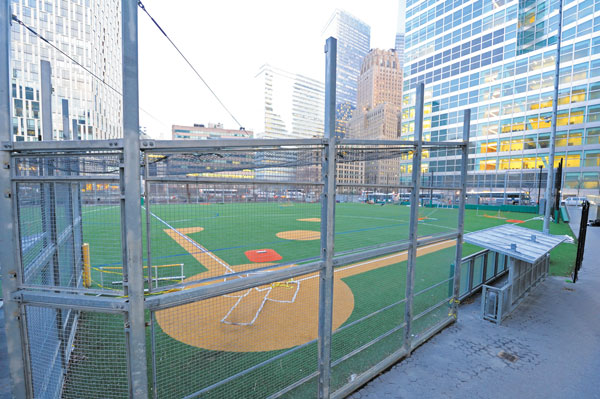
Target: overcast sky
(227, 41)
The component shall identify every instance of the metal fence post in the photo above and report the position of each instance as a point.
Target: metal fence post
(65, 119)
(414, 216)
(550, 177)
(46, 93)
(11, 272)
(461, 213)
(132, 223)
(327, 223)
(146, 196)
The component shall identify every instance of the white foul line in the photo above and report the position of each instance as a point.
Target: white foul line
(195, 244)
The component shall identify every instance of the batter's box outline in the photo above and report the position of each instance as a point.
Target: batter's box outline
(267, 290)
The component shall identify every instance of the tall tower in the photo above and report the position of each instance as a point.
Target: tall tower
(90, 32)
(353, 43)
(290, 106)
(379, 82)
(378, 110)
(400, 31)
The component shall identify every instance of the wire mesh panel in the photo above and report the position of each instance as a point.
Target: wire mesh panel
(434, 282)
(35, 233)
(76, 355)
(58, 214)
(46, 351)
(97, 366)
(252, 344)
(434, 262)
(102, 232)
(217, 216)
(220, 213)
(368, 197)
(372, 312)
(300, 164)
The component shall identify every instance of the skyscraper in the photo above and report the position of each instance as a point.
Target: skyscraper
(498, 59)
(400, 31)
(90, 32)
(289, 105)
(353, 43)
(378, 108)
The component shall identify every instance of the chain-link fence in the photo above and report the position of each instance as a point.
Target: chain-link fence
(222, 268)
(235, 268)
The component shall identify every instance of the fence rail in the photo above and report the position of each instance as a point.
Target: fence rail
(214, 325)
(294, 281)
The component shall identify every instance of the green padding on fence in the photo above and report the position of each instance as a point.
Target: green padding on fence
(505, 208)
(564, 214)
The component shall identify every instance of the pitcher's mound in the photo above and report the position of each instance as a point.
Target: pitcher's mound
(299, 235)
(262, 255)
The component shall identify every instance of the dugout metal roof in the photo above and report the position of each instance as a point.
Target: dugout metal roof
(518, 242)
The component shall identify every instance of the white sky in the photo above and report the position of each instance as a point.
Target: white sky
(227, 41)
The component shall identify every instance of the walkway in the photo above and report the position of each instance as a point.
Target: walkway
(4, 378)
(554, 333)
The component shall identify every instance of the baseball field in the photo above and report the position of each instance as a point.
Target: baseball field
(256, 342)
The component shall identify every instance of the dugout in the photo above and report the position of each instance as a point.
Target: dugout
(528, 253)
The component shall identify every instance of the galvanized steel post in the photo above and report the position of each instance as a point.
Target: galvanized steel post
(46, 93)
(550, 177)
(133, 283)
(414, 216)
(461, 210)
(146, 196)
(9, 258)
(65, 119)
(327, 223)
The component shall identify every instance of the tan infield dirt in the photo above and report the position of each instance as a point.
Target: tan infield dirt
(280, 323)
(299, 235)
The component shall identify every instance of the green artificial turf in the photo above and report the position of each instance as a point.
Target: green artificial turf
(229, 230)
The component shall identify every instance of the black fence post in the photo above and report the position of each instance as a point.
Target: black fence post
(585, 209)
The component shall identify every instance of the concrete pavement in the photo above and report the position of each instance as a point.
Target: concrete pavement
(4, 378)
(554, 334)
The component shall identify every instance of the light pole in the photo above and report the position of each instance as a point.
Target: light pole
(550, 179)
(540, 186)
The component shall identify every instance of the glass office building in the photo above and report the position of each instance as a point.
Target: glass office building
(498, 59)
(353, 43)
(88, 31)
(287, 105)
(399, 42)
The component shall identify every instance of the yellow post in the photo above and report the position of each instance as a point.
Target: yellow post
(87, 268)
